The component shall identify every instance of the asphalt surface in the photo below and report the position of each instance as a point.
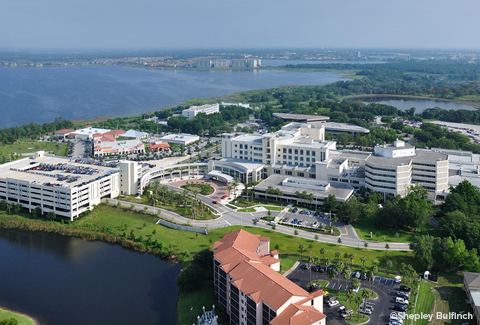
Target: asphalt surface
(384, 288)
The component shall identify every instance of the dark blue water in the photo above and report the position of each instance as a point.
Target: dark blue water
(62, 280)
(41, 94)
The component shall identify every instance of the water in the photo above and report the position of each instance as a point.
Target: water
(42, 94)
(419, 104)
(63, 280)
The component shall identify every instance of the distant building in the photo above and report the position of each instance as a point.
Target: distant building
(401, 56)
(221, 63)
(301, 117)
(132, 134)
(204, 63)
(236, 104)
(183, 139)
(61, 134)
(159, 147)
(121, 148)
(206, 109)
(239, 63)
(88, 132)
(253, 63)
(250, 290)
(115, 133)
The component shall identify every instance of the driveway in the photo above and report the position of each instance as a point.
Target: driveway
(219, 187)
(384, 288)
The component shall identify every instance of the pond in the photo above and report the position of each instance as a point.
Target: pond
(63, 280)
(419, 103)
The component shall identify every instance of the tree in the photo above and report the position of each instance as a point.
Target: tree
(330, 203)
(351, 257)
(387, 247)
(3, 204)
(415, 208)
(358, 300)
(355, 283)
(339, 240)
(187, 281)
(456, 253)
(350, 296)
(366, 294)
(10, 207)
(331, 274)
(229, 188)
(388, 265)
(322, 251)
(50, 216)
(363, 259)
(376, 262)
(346, 274)
(423, 250)
(366, 245)
(301, 247)
(337, 255)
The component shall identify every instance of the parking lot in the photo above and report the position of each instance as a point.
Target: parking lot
(384, 288)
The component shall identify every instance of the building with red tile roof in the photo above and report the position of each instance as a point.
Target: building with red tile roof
(115, 133)
(250, 289)
(63, 133)
(159, 146)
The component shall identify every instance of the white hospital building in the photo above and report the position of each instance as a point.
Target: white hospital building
(208, 109)
(299, 151)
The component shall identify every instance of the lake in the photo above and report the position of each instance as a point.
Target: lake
(42, 94)
(62, 280)
(420, 104)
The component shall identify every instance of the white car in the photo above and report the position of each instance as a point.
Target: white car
(396, 318)
(357, 275)
(333, 303)
(401, 301)
(365, 311)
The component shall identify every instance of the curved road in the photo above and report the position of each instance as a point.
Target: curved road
(229, 217)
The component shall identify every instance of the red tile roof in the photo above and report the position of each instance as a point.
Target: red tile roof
(64, 131)
(159, 145)
(115, 132)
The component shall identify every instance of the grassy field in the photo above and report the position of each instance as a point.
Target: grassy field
(246, 210)
(391, 235)
(341, 297)
(22, 319)
(190, 305)
(445, 296)
(203, 189)
(29, 146)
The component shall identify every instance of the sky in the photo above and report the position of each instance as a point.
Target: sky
(160, 24)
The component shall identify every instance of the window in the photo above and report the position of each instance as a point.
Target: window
(312, 175)
(308, 158)
(241, 146)
(241, 152)
(301, 152)
(276, 171)
(301, 175)
(290, 157)
(289, 150)
(235, 146)
(288, 172)
(308, 152)
(284, 156)
(296, 151)
(284, 150)
(301, 158)
(296, 157)
(313, 153)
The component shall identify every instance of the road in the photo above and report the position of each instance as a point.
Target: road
(228, 217)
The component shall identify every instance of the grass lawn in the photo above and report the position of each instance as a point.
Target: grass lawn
(22, 319)
(364, 228)
(246, 210)
(445, 296)
(203, 189)
(29, 146)
(191, 303)
(244, 203)
(286, 262)
(273, 208)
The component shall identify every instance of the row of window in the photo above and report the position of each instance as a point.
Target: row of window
(298, 151)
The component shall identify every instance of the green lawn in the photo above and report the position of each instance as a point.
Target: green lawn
(203, 189)
(341, 297)
(22, 319)
(391, 235)
(30, 146)
(191, 303)
(246, 210)
(425, 301)
(273, 208)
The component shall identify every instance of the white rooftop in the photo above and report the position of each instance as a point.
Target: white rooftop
(133, 134)
(91, 131)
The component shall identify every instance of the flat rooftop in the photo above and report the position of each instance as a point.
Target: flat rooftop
(250, 138)
(74, 173)
(341, 191)
(345, 127)
(301, 117)
(351, 154)
(182, 136)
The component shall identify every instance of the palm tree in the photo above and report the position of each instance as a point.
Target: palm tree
(156, 186)
(376, 262)
(326, 261)
(350, 295)
(388, 265)
(331, 274)
(351, 257)
(366, 294)
(229, 188)
(322, 251)
(10, 207)
(355, 283)
(371, 276)
(363, 259)
(195, 193)
(163, 190)
(337, 255)
(358, 300)
(346, 275)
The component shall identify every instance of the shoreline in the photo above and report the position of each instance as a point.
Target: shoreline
(33, 319)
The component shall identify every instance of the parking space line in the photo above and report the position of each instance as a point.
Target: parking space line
(340, 287)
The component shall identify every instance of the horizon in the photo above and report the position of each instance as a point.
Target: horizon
(212, 24)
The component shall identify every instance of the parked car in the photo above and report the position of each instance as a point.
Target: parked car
(334, 303)
(215, 202)
(357, 275)
(329, 298)
(401, 301)
(396, 318)
(306, 266)
(341, 309)
(321, 269)
(224, 197)
(405, 288)
(346, 313)
(399, 307)
(403, 295)
(365, 311)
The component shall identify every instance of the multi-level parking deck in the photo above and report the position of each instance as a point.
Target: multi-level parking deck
(60, 185)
